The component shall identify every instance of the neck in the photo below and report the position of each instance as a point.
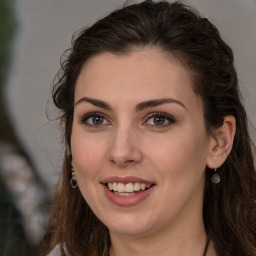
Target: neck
(180, 240)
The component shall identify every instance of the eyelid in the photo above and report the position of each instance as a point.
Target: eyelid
(85, 117)
(169, 117)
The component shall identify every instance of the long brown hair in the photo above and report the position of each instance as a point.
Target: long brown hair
(229, 209)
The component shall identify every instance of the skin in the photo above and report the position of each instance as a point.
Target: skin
(128, 142)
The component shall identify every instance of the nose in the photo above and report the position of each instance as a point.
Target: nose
(124, 148)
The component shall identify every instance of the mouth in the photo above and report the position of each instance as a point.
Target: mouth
(127, 189)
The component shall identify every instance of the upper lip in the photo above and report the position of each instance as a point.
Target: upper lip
(125, 180)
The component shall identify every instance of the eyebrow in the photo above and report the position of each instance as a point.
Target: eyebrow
(139, 107)
(95, 102)
(153, 103)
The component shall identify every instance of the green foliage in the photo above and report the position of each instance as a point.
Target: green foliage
(7, 28)
(7, 31)
(12, 238)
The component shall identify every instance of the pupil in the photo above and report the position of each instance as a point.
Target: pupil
(159, 120)
(97, 120)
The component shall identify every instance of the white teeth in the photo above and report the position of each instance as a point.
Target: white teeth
(120, 187)
(110, 186)
(127, 188)
(114, 186)
(136, 186)
(124, 194)
(142, 186)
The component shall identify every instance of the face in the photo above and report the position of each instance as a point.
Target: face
(139, 144)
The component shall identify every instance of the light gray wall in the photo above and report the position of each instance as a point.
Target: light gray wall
(45, 31)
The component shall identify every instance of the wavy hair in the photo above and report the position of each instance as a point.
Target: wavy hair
(229, 208)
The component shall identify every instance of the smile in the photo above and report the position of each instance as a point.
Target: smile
(128, 189)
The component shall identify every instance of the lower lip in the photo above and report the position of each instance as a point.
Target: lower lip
(128, 200)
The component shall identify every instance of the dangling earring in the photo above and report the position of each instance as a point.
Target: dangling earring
(73, 181)
(215, 177)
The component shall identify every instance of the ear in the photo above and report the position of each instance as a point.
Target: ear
(221, 142)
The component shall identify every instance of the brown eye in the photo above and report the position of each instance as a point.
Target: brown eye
(97, 120)
(94, 119)
(160, 120)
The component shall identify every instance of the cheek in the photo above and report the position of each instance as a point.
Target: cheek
(87, 156)
(87, 153)
(181, 156)
(180, 164)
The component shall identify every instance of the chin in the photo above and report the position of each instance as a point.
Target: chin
(128, 230)
(127, 225)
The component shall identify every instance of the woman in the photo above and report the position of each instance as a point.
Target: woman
(158, 159)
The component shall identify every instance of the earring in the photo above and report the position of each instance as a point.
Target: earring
(215, 177)
(73, 181)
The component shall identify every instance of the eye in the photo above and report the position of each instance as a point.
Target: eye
(160, 120)
(94, 119)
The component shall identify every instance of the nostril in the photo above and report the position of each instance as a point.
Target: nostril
(129, 161)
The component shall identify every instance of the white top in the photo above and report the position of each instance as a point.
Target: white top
(56, 251)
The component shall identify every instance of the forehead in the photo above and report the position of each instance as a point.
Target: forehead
(138, 75)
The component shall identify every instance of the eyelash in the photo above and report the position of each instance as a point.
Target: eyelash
(171, 120)
(84, 119)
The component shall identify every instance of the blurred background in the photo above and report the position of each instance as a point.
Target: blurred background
(33, 35)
